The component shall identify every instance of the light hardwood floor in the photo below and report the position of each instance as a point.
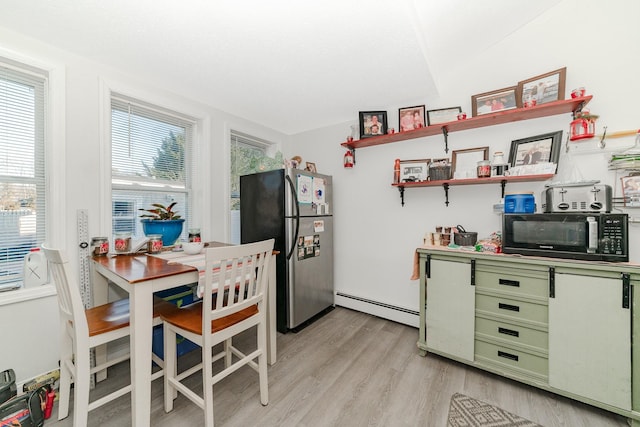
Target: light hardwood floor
(349, 369)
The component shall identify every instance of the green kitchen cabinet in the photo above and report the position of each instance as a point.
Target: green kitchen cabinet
(590, 338)
(565, 326)
(450, 311)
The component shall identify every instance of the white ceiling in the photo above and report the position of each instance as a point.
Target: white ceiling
(291, 65)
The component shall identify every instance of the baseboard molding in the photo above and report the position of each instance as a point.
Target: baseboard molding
(379, 309)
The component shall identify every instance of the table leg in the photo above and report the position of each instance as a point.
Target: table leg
(100, 289)
(271, 314)
(141, 321)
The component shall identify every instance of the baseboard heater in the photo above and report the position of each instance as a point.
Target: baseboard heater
(388, 311)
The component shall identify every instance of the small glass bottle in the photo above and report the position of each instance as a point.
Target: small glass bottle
(154, 245)
(498, 158)
(194, 235)
(396, 172)
(99, 246)
(484, 169)
(122, 242)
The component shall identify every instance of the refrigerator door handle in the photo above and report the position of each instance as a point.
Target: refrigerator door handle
(297, 216)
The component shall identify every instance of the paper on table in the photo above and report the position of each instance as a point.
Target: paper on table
(199, 261)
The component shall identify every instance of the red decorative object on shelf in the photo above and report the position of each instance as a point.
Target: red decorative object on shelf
(584, 126)
(348, 159)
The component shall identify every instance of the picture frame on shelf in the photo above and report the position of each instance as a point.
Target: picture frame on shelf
(311, 167)
(494, 101)
(631, 190)
(372, 123)
(464, 162)
(535, 149)
(443, 115)
(548, 87)
(414, 170)
(410, 118)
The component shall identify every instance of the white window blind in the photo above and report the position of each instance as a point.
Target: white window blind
(151, 161)
(22, 167)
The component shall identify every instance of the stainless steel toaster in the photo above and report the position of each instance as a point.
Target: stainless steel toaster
(591, 198)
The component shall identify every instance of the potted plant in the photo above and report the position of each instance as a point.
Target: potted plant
(162, 220)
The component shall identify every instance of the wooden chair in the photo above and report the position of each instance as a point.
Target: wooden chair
(234, 300)
(83, 330)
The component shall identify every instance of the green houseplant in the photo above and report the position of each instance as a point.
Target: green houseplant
(162, 220)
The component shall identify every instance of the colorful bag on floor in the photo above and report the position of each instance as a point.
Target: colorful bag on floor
(26, 410)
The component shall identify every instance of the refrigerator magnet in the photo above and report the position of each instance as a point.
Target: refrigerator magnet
(318, 226)
(318, 190)
(305, 186)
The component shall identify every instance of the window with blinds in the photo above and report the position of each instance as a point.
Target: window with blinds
(151, 162)
(248, 155)
(22, 168)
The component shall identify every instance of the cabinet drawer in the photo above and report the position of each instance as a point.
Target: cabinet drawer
(504, 357)
(503, 280)
(511, 308)
(520, 335)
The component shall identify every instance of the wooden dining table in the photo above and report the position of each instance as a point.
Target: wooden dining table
(140, 276)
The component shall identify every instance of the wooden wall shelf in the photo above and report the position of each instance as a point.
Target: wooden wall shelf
(549, 109)
(502, 180)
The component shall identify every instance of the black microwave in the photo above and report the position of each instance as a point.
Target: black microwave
(585, 236)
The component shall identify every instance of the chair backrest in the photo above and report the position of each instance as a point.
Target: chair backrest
(237, 277)
(69, 299)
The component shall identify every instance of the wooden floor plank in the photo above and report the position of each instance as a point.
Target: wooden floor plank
(348, 369)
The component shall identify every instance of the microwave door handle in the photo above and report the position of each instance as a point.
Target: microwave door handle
(592, 245)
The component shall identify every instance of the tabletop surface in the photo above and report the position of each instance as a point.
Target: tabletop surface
(138, 268)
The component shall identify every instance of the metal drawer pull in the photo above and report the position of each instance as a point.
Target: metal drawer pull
(507, 282)
(508, 307)
(508, 355)
(509, 332)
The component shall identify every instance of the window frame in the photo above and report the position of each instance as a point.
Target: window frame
(267, 147)
(198, 150)
(55, 161)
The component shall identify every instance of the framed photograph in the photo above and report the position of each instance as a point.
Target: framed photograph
(372, 123)
(311, 167)
(464, 162)
(443, 115)
(536, 149)
(414, 170)
(541, 89)
(411, 118)
(631, 190)
(494, 101)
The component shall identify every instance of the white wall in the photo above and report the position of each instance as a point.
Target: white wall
(30, 328)
(376, 237)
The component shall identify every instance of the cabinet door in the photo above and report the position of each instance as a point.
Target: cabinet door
(450, 309)
(590, 339)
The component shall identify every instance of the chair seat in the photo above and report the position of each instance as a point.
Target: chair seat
(189, 318)
(115, 315)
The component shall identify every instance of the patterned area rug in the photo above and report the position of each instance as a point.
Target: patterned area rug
(469, 412)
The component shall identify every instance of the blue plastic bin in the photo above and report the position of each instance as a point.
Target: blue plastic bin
(519, 203)
(180, 296)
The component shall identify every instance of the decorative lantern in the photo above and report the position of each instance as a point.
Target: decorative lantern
(348, 159)
(583, 126)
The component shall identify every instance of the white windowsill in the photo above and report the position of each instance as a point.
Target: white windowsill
(21, 295)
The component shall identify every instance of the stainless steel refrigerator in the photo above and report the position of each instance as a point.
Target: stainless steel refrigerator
(294, 207)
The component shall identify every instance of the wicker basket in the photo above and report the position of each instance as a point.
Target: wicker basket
(439, 172)
(465, 239)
